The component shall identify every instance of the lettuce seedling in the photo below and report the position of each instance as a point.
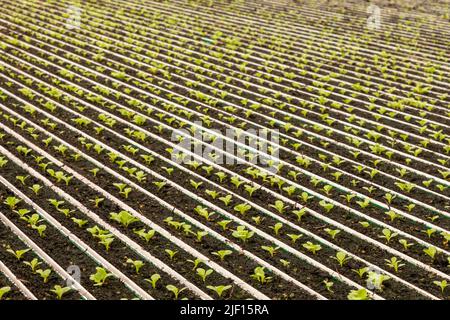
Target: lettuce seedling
(3, 161)
(138, 264)
(226, 200)
(221, 175)
(327, 206)
(276, 227)
(100, 276)
(299, 213)
(377, 279)
(147, 236)
(328, 285)
(394, 263)
(294, 237)
(242, 208)
(341, 258)
(171, 253)
(429, 232)
(270, 250)
(123, 217)
(176, 292)
(3, 291)
(431, 252)
(106, 241)
(60, 291)
(79, 222)
(312, 247)
(242, 233)
(219, 289)
(405, 243)
(203, 212)
(45, 274)
(200, 234)
(204, 273)
(441, 284)
(33, 264)
(388, 235)
(212, 193)
(196, 185)
(222, 254)
(19, 253)
(12, 202)
(392, 215)
(361, 272)
(250, 189)
(56, 203)
(236, 182)
(279, 206)
(360, 294)
(224, 224)
(40, 229)
(332, 232)
(153, 280)
(22, 179)
(260, 275)
(22, 212)
(195, 262)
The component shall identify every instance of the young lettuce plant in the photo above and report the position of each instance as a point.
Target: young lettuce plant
(176, 292)
(360, 294)
(100, 276)
(341, 258)
(312, 247)
(146, 235)
(3, 291)
(242, 208)
(222, 254)
(45, 274)
(60, 291)
(137, 264)
(242, 233)
(219, 289)
(271, 250)
(153, 280)
(33, 264)
(260, 275)
(441, 284)
(299, 213)
(123, 217)
(18, 253)
(203, 273)
(279, 206)
(394, 263)
(377, 279)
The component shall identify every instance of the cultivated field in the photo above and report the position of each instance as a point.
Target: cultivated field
(233, 149)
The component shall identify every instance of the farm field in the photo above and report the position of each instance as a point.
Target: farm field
(232, 149)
